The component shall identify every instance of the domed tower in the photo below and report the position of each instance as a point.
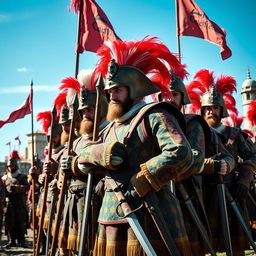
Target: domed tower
(248, 94)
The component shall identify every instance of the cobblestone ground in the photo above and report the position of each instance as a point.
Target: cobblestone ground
(17, 250)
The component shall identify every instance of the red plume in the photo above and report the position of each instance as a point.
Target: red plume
(203, 81)
(70, 83)
(251, 114)
(60, 101)
(14, 155)
(45, 119)
(148, 55)
(74, 4)
(250, 133)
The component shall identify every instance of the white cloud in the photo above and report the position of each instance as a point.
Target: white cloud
(4, 17)
(24, 69)
(25, 89)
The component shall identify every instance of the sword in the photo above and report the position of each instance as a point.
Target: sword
(240, 218)
(195, 217)
(224, 216)
(151, 203)
(51, 216)
(251, 198)
(131, 217)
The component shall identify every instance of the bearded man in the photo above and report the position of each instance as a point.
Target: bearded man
(73, 212)
(213, 109)
(201, 139)
(144, 158)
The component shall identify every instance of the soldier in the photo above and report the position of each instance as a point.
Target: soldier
(71, 226)
(16, 186)
(199, 136)
(155, 152)
(213, 110)
(50, 166)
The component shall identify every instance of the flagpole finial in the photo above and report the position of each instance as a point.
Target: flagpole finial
(248, 73)
(31, 82)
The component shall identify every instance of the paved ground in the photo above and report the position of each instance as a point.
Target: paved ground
(17, 250)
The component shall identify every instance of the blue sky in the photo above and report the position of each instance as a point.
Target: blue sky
(37, 41)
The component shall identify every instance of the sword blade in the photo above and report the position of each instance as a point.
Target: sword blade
(140, 234)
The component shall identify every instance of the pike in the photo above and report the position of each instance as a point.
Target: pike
(88, 196)
(151, 203)
(51, 217)
(240, 218)
(251, 198)
(223, 210)
(46, 182)
(195, 217)
(130, 216)
(73, 115)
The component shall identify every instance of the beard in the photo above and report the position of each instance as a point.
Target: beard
(86, 126)
(64, 138)
(116, 109)
(212, 120)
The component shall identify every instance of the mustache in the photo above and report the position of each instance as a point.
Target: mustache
(211, 116)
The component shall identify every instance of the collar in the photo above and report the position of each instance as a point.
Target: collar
(132, 112)
(220, 128)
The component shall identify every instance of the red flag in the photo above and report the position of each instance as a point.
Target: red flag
(18, 139)
(24, 109)
(94, 26)
(192, 21)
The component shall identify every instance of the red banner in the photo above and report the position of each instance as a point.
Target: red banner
(192, 21)
(18, 139)
(94, 26)
(24, 109)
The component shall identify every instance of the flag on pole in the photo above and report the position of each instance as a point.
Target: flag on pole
(18, 139)
(94, 26)
(23, 110)
(192, 21)
(8, 143)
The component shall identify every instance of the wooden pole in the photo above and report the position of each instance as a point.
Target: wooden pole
(178, 29)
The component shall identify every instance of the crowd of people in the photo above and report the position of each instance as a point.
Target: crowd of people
(126, 177)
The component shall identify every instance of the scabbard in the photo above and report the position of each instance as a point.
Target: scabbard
(151, 203)
(195, 217)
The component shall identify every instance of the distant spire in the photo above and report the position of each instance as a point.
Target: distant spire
(248, 73)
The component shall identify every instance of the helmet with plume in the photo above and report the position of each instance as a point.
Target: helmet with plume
(87, 78)
(129, 63)
(62, 108)
(205, 91)
(13, 158)
(45, 119)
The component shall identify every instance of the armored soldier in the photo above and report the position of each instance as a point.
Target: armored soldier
(155, 151)
(199, 136)
(213, 110)
(16, 187)
(71, 225)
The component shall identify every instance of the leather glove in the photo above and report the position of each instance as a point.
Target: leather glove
(140, 184)
(53, 186)
(41, 178)
(65, 163)
(241, 191)
(50, 167)
(131, 192)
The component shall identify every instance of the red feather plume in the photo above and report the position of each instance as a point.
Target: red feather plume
(203, 81)
(233, 120)
(70, 83)
(74, 4)
(14, 155)
(251, 114)
(45, 119)
(250, 133)
(148, 55)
